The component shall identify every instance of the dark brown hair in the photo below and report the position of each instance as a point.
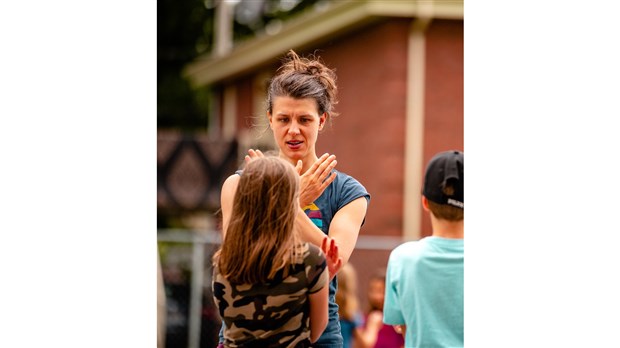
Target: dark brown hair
(305, 78)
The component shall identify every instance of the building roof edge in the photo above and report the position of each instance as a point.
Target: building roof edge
(311, 27)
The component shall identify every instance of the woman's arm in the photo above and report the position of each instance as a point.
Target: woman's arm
(344, 228)
(346, 224)
(318, 312)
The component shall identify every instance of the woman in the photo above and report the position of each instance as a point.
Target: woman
(270, 288)
(301, 98)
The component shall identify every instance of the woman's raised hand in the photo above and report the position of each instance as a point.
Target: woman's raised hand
(314, 181)
(252, 154)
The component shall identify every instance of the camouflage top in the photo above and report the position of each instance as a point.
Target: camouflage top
(274, 314)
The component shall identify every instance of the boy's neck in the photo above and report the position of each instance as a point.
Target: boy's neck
(447, 229)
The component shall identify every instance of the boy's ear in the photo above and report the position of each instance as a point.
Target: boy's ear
(425, 204)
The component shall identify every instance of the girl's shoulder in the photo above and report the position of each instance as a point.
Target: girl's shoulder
(309, 251)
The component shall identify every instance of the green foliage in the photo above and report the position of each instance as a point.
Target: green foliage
(185, 31)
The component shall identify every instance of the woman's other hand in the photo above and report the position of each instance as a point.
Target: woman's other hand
(316, 179)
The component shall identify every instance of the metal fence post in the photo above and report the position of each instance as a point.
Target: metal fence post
(195, 308)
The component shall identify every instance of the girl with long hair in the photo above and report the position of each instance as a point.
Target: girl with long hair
(270, 287)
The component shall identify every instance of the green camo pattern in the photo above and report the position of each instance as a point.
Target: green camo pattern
(274, 314)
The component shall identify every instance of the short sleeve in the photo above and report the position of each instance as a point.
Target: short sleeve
(350, 190)
(316, 268)
(392, 313)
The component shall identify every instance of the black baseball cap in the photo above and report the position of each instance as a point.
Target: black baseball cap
(444, 167)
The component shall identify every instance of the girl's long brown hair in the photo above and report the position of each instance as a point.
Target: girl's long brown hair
(261, 238)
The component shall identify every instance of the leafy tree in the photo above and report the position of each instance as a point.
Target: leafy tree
(185, 31)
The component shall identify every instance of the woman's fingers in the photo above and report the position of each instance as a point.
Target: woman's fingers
(253, 154)
(325, 165)
(328, 169)
(299, 166)
(316, 179)
(318, 168)
(315, 165)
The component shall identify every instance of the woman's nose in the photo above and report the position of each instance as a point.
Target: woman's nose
(294, 128)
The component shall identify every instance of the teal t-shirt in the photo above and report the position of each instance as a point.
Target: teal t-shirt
(424, 290)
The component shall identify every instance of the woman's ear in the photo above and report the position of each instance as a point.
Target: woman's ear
(322, 120)
(269, 118)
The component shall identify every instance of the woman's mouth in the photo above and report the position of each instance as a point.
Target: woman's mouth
(294, 144)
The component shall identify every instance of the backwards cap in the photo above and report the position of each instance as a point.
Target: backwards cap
(445, 167)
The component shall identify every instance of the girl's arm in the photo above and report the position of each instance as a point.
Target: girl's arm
(318, 312)
(226, 200)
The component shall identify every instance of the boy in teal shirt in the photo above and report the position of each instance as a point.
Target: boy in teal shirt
(424, 283)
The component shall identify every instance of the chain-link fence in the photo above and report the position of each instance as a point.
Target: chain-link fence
(191, 319)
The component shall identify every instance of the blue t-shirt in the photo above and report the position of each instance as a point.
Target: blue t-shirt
(424, 290)
(342, 191)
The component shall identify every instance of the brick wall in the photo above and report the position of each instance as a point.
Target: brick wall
(368, 137)
(443, 119)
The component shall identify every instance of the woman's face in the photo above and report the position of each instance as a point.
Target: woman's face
(296, 124)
